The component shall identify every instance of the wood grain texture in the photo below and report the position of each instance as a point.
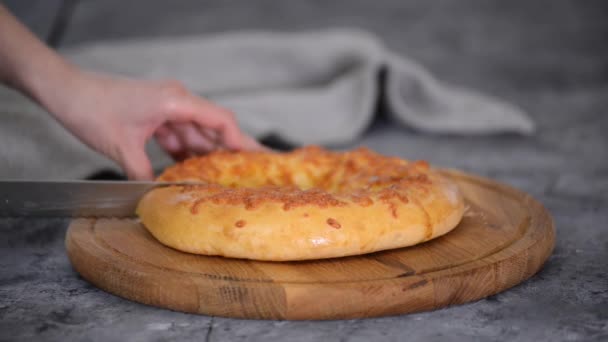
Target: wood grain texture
(504, 238)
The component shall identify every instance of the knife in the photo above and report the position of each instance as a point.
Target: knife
(19, 198)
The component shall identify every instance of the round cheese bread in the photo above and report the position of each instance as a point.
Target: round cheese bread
(307, 204)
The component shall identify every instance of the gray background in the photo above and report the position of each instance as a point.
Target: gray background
(549, 57)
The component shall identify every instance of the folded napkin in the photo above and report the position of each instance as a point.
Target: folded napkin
(318, 87)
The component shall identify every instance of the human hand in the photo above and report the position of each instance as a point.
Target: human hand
(113, 115)
(116, 116)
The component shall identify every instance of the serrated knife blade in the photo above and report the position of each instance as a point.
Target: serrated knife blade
(24, 198)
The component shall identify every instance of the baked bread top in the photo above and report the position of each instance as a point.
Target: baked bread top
(307, 204)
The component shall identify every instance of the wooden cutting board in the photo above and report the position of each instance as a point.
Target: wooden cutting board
(504, 238)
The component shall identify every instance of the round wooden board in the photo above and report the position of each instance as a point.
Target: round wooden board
(504, 238)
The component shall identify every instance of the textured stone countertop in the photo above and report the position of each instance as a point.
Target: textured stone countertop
(545, 56)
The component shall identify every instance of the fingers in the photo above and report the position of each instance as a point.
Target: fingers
(223, 123)
(168, 139)
(212, 118)
(183, 140)
(209, 134)
(194, 125)
(250, 143)
(136, 164)
(171, 143)
(195, 140)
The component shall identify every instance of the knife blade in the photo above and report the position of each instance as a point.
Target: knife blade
(24, 198)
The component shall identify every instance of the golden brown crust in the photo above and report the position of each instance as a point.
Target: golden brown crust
(306, 204)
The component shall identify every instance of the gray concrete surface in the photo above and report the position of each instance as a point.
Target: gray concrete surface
(548, 57)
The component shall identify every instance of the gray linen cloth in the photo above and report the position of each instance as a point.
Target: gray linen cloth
(319, 87)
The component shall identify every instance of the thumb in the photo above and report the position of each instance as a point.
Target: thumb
(250, 143)
(136, 164)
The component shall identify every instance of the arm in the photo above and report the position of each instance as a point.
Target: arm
(113, 115)
(25, 62)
